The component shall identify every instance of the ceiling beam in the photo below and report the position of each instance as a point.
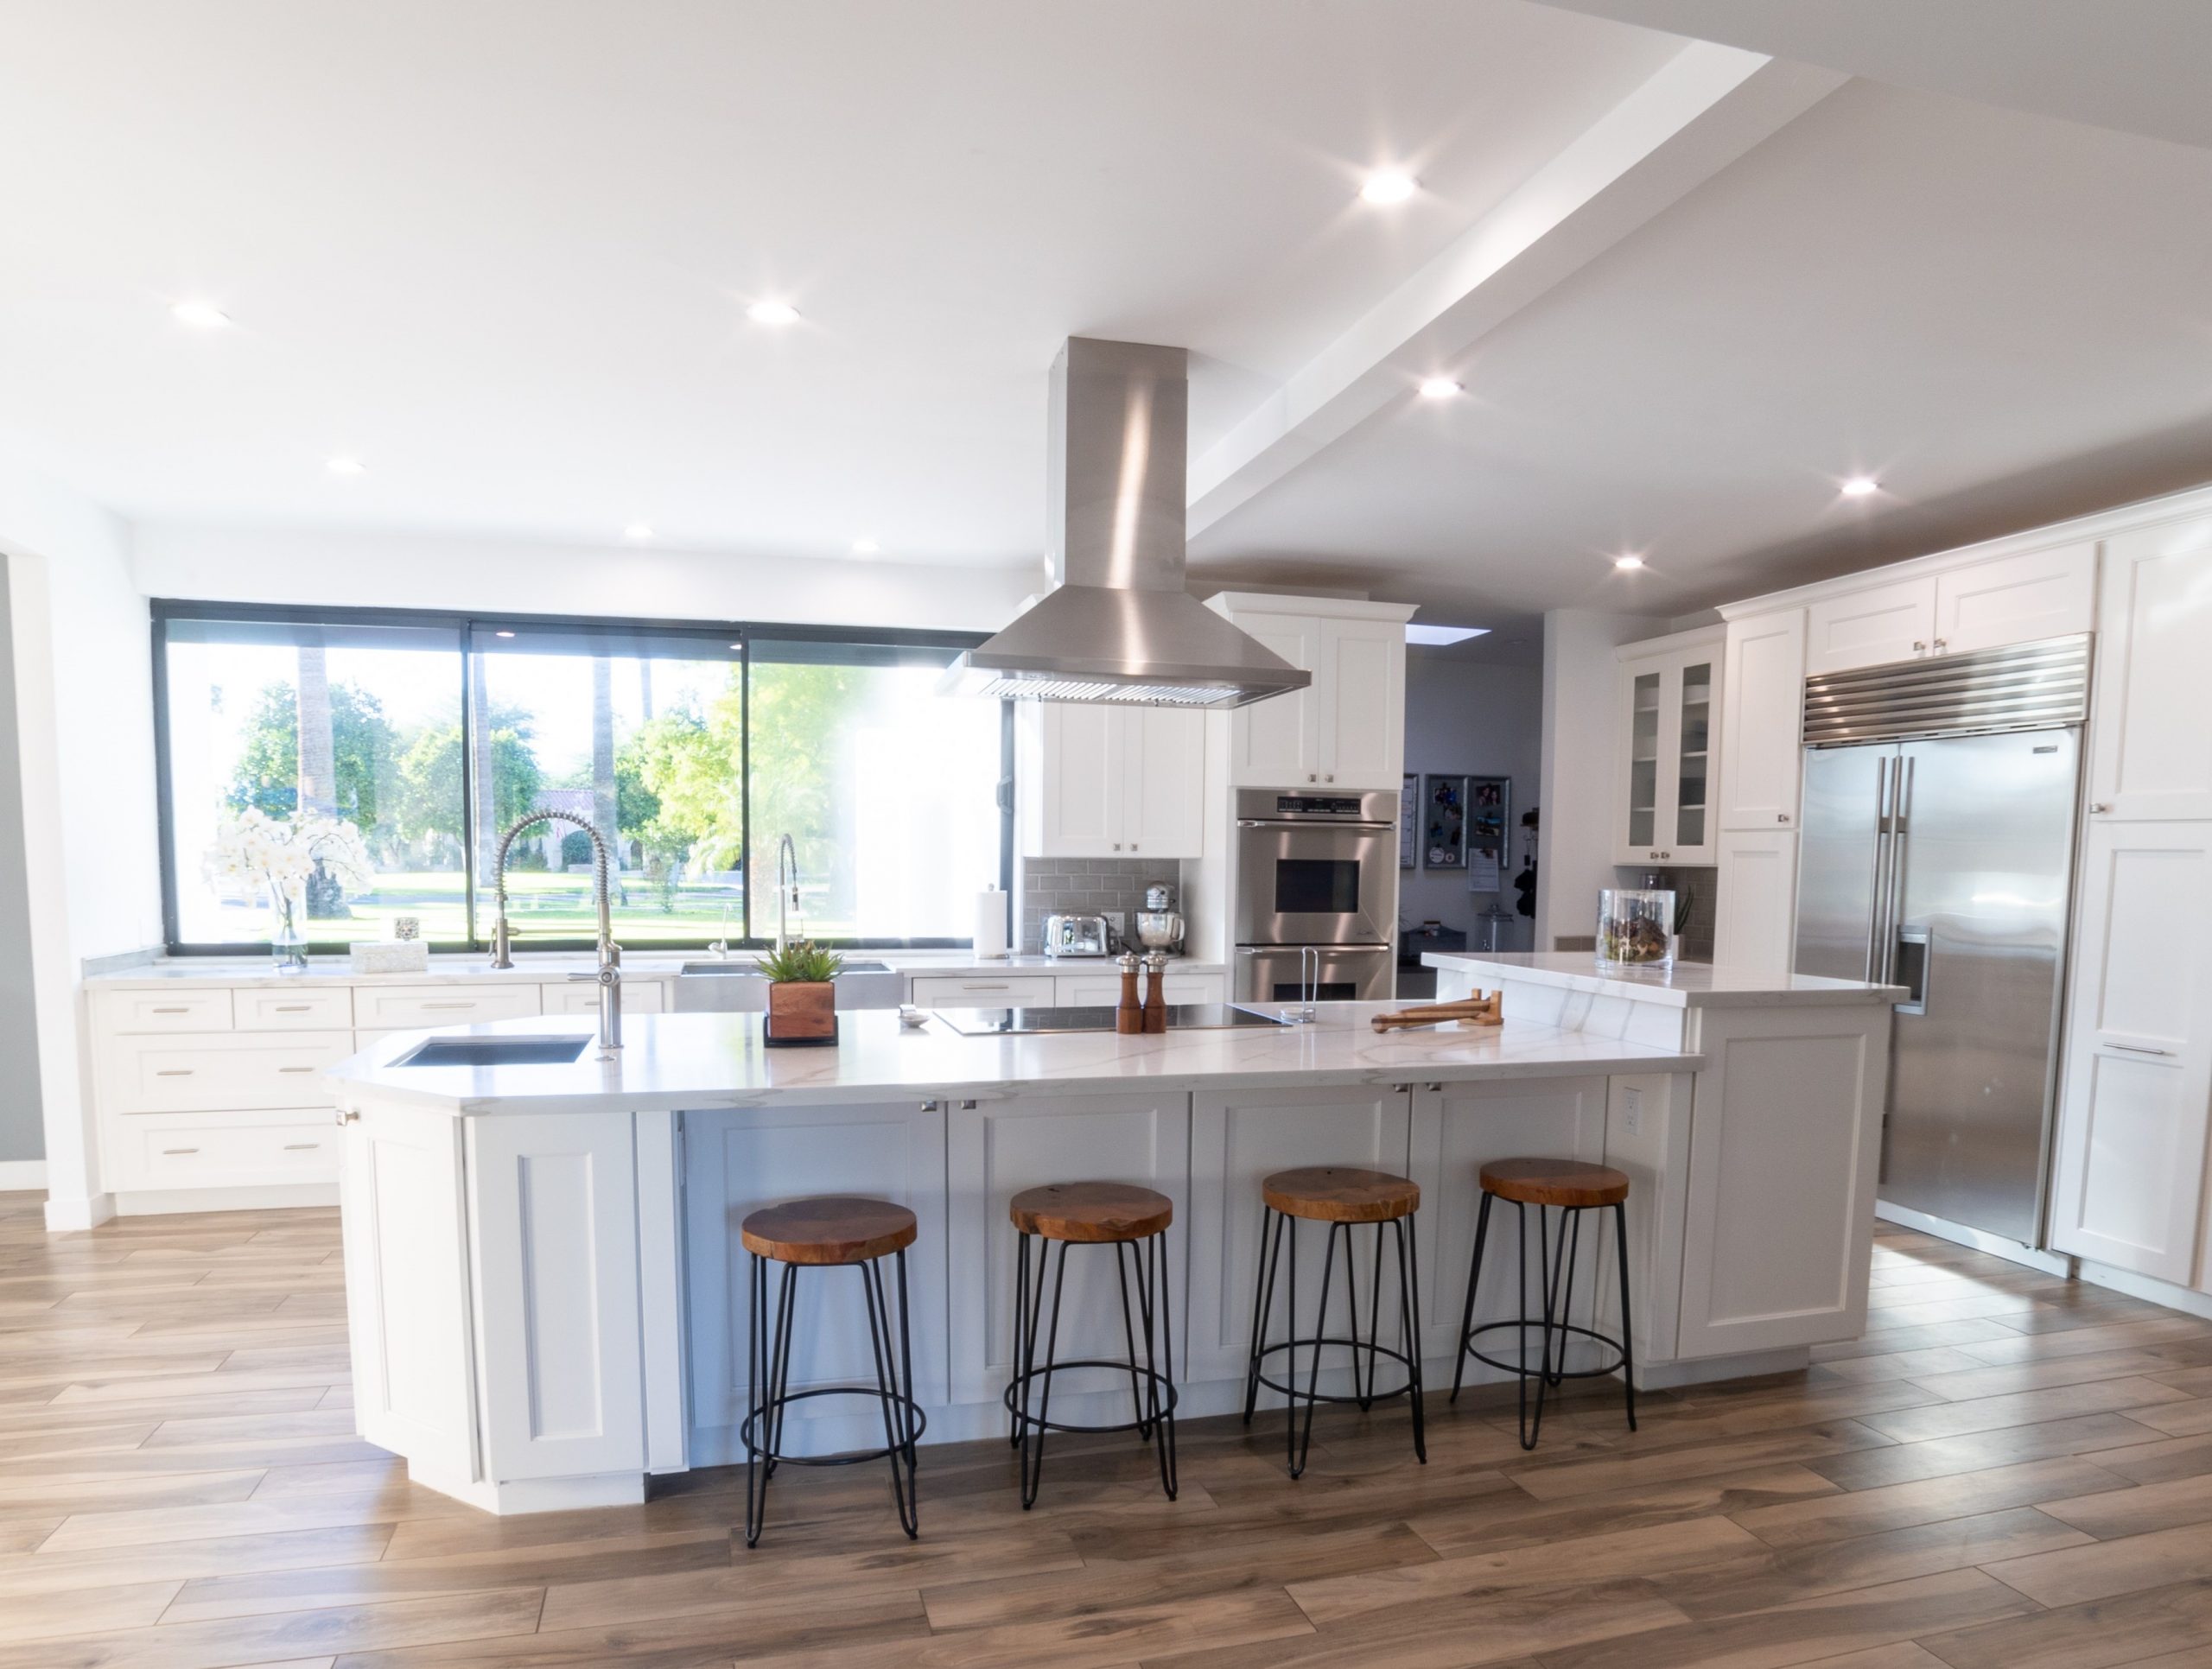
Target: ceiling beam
(1705, 107)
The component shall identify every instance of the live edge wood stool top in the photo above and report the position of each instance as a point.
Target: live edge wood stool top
(1554, 1182)
(1341, 1193)
(1091, 1213)
(831, 1228)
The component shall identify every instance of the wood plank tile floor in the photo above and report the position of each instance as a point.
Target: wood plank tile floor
(2008, 1471)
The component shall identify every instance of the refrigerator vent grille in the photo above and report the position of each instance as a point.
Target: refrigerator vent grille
(2023, 687)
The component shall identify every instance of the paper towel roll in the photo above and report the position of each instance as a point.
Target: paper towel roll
(990, 922)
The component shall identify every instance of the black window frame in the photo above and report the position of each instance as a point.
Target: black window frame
(739, 635)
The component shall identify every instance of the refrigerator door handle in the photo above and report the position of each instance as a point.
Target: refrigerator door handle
(1875, 914)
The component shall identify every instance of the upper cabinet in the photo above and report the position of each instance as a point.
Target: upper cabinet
(2007, 600)
(2150, 748)
(1760, 727)
(1097, 781)
(1893, 622)
(1347, 729)
(1667, 757)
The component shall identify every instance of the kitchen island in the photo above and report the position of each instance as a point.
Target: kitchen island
(541, 1260)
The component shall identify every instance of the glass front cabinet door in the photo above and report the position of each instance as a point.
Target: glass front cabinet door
(1668, 760)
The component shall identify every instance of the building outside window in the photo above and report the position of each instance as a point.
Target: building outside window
(692, 749)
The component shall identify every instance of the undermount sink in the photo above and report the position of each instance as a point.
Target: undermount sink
(752, 969)
(495, 1052)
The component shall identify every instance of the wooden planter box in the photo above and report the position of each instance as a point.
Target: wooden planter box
(802, 1013)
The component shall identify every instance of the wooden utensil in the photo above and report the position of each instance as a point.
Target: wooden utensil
(1476, 1011)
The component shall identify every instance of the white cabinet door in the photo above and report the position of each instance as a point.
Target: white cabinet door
(554, 1248)
(997, 1148)
(1761, 727)
(1359, 704)
(1893, 622)
(2150, 747)
(640, 996)
(1238, 1137)
(1755, 927)
(1071, 780)
(2130, 1177)
(1665, 754)
(407, 1289)
(1273, 743)
(1163, 783)
(2017, 599)
(1785, 1142)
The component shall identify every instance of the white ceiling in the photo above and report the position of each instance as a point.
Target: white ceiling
(501, 253)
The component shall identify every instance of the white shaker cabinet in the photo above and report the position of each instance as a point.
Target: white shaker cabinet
(2130, 1177)
(1347, 729)
(1097, 781)
(2150, 747)
(1755, 927)
(1870, 627)
(1665, 759)
(2016, 600)
(1761, 724)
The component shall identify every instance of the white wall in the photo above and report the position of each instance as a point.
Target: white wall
(1481, 720)
(1575, 858)
(367, 570)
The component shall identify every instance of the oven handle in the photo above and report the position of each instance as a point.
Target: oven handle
(1305, 823)
(1287, 949)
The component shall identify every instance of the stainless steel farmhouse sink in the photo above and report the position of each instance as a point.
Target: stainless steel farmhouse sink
(495, 1052)
(737, 986)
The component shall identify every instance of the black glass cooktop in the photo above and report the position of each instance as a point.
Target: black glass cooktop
(1181, 1016)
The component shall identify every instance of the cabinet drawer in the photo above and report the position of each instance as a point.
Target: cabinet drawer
(224, 1150)
(1094, 991)
(224, 1072)
(383, 1007)
(581, 997)
(984, 991)
(162, 1011)
(294, 1011)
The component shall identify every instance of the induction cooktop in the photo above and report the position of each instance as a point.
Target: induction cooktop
(1181, 1016)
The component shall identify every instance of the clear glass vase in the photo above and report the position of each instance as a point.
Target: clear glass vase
(288, 939)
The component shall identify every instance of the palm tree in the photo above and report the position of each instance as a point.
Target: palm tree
(318, 750)
(604, 809)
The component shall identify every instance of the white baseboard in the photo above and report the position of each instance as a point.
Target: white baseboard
(21, 1173)
(162, 1202)
(2051, 1263)
(2187, 1300)
(64, 1215)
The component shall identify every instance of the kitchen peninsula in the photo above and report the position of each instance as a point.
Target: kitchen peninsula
(539, 1258)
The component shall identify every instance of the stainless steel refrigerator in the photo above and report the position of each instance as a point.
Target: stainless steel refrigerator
(1937, 853)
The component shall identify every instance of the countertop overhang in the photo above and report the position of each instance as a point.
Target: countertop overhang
(697, 1061)
(1685, 985)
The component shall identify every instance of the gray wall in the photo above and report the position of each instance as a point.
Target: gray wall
(1478, 720)
(23, 1136)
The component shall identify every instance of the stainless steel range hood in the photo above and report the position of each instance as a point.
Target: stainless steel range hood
(1118, 625)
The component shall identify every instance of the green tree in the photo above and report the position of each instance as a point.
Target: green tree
(430, 776)
(363, 744)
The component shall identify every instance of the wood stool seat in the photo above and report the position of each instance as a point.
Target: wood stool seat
(834, 1228)
(1341, 1193)
(1572, 1182)
(1091, 1213)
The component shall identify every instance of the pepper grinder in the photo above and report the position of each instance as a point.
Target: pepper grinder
(1129, 1018)
(1155, 992)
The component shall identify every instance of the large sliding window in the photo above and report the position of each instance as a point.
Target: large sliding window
(692, 749)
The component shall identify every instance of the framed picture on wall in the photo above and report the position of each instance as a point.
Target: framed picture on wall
(1444, 822)
(1490, 806)
(1408, 819)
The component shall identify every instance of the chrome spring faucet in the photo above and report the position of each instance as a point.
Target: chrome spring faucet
(608, 975)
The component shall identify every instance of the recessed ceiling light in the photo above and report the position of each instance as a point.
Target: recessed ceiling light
(1438, 388)
(503, 634)
(1627, 563)
(1387, 186)
(1859, 486)
(200, 315)
(865, 546)
(1443, 634)
(639, 530)
(345, 467)
(777, 314)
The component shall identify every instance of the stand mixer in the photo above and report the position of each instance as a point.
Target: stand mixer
(1160, 924)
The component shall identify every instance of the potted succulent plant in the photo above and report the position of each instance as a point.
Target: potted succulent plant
(802, 1003)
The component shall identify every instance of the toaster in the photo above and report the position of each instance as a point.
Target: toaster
(1075, 935)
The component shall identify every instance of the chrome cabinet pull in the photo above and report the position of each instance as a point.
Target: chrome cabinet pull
(296, 1069)
(1782, 816)
(968, 1106)
(2141, 1049)
(174, 1008)
(932, 1106)
(1918, 647)
(300, 1147)
(1939, 645)
(173, 1072)
(2101, 807)
(347, 1115)
(292, 1008)
(471, 1003)
(180, 1150)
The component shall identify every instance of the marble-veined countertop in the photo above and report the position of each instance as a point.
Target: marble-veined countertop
(1685, 985)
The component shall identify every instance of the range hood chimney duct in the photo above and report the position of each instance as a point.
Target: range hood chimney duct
(1118, 625)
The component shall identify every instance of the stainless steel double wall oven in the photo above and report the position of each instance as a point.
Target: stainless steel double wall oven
(1314, 874)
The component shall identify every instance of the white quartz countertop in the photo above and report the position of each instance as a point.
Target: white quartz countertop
(674, 1061)
(1686, 985)
(472, 967)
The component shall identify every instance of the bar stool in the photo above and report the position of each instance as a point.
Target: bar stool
(1343, 1197)
(1133, 1222)
(821, 1232)
(1572, 1187)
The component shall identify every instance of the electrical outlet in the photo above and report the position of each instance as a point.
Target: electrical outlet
(1632, 1110)
(1118, 920)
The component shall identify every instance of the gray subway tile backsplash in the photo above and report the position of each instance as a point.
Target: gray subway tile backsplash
(1085, 886)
